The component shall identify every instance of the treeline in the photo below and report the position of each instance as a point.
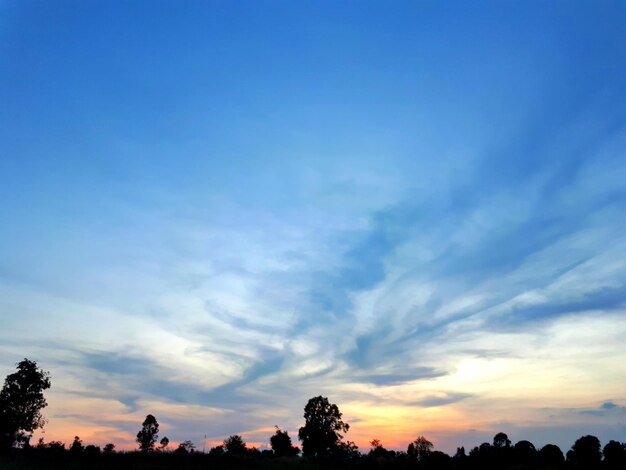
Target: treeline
(321, 437)
(586, 453)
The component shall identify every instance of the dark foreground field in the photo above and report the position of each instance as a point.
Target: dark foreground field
(137, 461)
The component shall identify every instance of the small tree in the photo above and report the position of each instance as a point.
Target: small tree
(186, 447)
(377, 449)
(21, 401)
(109, 448)
(320, 434)
(163, 443)
(147, 435)
(281, 444)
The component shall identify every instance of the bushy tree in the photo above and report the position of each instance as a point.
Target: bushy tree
(235, 445)
(92, 451)
(501, 440)
(21, 402)
(281, 444)
(525, 452)
(321, 433)
(586, 452)
(551, 455)
(147, 435)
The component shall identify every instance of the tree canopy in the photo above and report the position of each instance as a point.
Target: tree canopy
(586, 452)
(321, 433)
(21, 402)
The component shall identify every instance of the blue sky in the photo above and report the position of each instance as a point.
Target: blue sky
(213, 211)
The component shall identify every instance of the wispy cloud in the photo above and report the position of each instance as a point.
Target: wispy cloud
(430, 233)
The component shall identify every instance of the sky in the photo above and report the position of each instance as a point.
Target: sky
(213, 211)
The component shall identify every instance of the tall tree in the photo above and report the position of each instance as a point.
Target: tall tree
(320, 434)
(147, 435)
(21, 401)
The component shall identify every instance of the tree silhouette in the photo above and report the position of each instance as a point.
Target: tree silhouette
(217, 451)
(77, 446)
(347, 451)
(281, 444)
(501, 451)
(525, 452)
(320, 434)
(483, 454)
(21, 401)
(419, 449)
(92, 451)
(614, 455)
(235, 445)
(378, 451)
(501, 441)
(109, 448)
(551, 455)
(163, 443)
(147, 435)
(186, 447)
(586, 452)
